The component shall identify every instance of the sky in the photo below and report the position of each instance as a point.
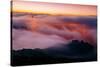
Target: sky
(54, 8)
(89, 2)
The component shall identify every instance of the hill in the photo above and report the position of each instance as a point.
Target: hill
(76, 51)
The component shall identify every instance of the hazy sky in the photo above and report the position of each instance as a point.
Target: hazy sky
(54, 8)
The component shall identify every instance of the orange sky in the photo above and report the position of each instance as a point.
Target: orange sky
(54, 8)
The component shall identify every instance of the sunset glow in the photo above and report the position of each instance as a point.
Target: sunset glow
(54, 8)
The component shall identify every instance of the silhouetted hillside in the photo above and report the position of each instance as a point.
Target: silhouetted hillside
(76, 51)
(80, 47)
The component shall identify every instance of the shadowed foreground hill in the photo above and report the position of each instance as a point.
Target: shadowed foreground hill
(76, 51)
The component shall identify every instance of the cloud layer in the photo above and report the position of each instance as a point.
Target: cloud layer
(43, 31)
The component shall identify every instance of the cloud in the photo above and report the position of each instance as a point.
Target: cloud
(22, 22)
(19, 25)
(39, 31)
(67, 34)
(26, 39)
(39, 25)
(89, 21)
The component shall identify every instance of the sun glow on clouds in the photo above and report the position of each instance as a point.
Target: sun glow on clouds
(46, 29)
(53, 8)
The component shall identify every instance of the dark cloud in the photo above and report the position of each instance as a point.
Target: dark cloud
(19, 25)
(20, 22)
(90, 21)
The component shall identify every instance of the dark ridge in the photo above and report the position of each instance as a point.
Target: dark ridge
(76, 51)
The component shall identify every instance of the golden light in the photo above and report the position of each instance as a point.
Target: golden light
(54, 8)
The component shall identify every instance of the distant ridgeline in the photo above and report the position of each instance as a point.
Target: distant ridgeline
(76, 51)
